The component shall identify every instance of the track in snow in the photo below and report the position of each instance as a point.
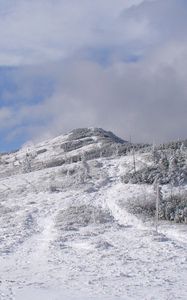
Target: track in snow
(97, 256)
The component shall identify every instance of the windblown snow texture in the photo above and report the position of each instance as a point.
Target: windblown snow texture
(71, 228)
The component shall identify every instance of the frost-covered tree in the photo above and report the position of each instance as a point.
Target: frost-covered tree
(26, 164)
(155, 155)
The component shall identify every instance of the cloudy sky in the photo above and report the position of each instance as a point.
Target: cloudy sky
(116, 64)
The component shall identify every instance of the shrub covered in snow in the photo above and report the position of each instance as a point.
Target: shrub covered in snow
(141, 205)
(171, 208)
(174, 208)
(167, 168)
(80, 216)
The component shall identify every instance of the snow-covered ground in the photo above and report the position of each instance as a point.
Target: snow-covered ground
(65, 233)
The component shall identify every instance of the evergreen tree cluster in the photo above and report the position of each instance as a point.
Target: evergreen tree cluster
(174, 208)
(169, 166)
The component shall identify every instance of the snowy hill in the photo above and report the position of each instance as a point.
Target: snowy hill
(76, 220)
(90, 142)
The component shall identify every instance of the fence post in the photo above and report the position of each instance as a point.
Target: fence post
(157, 205)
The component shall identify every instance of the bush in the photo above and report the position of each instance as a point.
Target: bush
(74, 217)
(141, 205)
(174, 208)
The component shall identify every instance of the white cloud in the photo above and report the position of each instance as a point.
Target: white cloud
(38, 31)
(144, 98)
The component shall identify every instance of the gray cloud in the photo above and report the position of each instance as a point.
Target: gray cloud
(142, 89)
(146, 99)
(39, 31)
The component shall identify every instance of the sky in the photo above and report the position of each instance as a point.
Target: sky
(116, 64)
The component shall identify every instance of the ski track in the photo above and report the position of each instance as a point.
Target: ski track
(123, 259)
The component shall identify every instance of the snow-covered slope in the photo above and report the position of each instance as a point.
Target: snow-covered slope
(87, 142)
(66, 233)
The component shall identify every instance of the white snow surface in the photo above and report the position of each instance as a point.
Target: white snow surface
(65, 234)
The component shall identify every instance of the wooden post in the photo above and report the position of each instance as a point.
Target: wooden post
(157, 206)
(134, 159)
(133, 155)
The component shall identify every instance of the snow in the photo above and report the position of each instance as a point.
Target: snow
(79, 241)
(55, 294)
